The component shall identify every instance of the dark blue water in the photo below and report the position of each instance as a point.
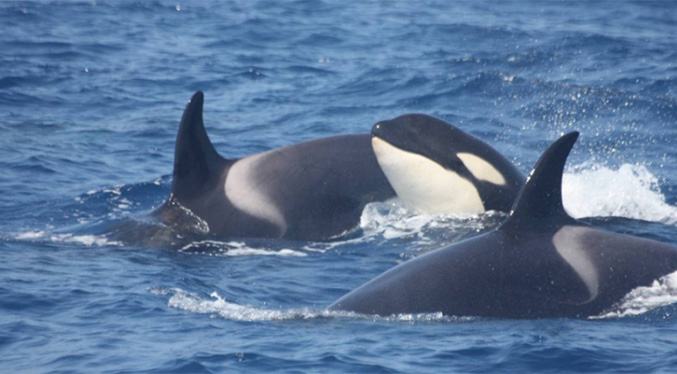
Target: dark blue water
(91, 94)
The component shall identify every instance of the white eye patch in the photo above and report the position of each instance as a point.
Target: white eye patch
(482, 169)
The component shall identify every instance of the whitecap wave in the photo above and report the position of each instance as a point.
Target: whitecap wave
(630, 191)
(661, 293)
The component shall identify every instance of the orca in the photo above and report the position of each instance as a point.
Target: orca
(540, 263)
(436, 168)
(312, 190)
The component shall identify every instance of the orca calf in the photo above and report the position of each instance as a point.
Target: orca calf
(437, 168)
(540, 263)
(308, 191)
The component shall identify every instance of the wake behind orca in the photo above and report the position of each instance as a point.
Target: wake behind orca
(540, 263)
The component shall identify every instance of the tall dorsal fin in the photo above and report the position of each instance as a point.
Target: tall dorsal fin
(196, 162)
(539, 202)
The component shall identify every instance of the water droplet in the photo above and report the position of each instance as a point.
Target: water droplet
(178, 7)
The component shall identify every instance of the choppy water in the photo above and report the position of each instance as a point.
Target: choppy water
(90, 98)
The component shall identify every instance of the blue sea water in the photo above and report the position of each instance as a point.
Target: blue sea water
(91, 93)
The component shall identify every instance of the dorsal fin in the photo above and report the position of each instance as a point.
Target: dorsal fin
(539, 202)
(196, 162)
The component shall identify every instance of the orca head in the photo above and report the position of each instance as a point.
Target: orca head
(437, 168)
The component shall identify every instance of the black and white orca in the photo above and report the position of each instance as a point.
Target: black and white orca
(540, 263)
(307, 191)
(437, 168)
(316, 190)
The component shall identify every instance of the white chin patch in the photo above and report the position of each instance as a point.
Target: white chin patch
(424, 185)
(481, 169)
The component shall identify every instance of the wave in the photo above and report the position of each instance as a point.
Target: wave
(392, 222)
(216, 305)
(107, 216)
(630, 191)
(589, 190)
(84, 240)
(237, 249)
(661, 293)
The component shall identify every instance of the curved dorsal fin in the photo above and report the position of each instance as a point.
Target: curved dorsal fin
(539, 202)
(196, 162)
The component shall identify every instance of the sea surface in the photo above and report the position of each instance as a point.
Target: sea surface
(91, 94)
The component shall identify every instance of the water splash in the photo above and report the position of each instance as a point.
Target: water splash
(661, 293)
(631, 191)
(641, 300)
(392, 221)
(237, 249)
(217, 306)
(85, 240)
(589, 190)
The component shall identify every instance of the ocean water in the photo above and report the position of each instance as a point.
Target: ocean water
(91, 93)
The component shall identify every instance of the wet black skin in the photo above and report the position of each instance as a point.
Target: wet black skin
(320, 186)
(516, 270)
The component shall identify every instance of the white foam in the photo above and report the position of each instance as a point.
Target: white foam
(589, 190)
(30, 235)
(643, 299)
(394, 221)
(217, 306)
(237, 249)
(630, 191)
(86, 240)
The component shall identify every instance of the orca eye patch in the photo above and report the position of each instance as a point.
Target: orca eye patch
(481, 169)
